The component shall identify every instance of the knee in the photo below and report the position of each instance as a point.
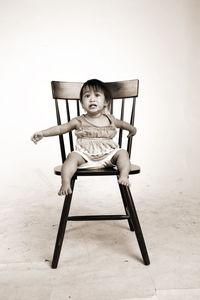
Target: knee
(72, 155)
(75, 157)
(122, 153)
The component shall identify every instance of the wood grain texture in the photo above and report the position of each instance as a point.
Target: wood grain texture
(118, 89)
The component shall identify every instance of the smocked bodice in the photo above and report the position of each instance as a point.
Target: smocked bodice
(93, 140)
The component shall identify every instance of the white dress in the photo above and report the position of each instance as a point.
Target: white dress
(95, 143)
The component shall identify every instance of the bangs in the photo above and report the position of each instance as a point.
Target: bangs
(92, 87)
(96, 86)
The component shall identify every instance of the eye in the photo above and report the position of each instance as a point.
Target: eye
(97, 94)
(87, 95)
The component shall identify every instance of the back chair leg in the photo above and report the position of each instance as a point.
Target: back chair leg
(123, 195)
(62, 227)
(135, 220)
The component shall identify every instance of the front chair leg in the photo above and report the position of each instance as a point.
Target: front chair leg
(62, 227)
(136, 223)
(123, 195)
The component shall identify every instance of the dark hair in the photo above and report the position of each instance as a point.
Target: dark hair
(96, 85)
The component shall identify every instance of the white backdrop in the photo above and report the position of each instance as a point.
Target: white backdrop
(155, 41)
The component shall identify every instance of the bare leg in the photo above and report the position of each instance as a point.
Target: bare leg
(69, 167)
(122, 161)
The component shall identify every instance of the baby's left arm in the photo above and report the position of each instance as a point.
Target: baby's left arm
(124, 125)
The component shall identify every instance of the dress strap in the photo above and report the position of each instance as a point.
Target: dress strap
(111, 119)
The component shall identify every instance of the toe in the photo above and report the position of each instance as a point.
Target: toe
(69, 191)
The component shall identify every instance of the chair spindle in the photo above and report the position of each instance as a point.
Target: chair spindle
(129, 146)
(78, 107)
(122, 119)
(70, 133)
(61, 140)
(111, 107)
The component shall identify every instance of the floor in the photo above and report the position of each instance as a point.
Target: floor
(99, 260)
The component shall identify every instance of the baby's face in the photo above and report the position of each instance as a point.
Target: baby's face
(93, 101)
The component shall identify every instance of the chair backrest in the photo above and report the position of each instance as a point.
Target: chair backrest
(66, 95)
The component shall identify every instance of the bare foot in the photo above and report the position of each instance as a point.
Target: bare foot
(65, 189)
(124, 181)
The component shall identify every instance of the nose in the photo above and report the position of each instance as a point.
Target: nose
(92, 98)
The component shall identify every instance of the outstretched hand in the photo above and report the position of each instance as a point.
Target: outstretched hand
(37, 136)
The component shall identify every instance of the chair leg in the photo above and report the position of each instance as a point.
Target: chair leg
(62, 227)
(135, 220)
(126, 207)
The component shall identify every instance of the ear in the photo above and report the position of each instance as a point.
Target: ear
(105, 103)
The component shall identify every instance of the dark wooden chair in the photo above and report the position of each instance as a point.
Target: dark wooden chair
(66, 94)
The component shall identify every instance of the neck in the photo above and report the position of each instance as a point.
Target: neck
(93, 116)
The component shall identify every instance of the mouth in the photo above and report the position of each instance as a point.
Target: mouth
(92, 106)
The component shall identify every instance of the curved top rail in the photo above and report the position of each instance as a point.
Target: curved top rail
(118, 89)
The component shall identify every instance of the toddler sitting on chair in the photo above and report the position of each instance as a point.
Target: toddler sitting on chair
(95, 130)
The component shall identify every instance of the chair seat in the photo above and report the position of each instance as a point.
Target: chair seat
(98, 172)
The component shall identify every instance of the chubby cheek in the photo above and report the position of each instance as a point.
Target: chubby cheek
(84, 104)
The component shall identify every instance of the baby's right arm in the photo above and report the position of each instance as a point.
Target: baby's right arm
(56, 130)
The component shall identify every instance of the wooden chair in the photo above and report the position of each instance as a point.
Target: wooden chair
(66, 94)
